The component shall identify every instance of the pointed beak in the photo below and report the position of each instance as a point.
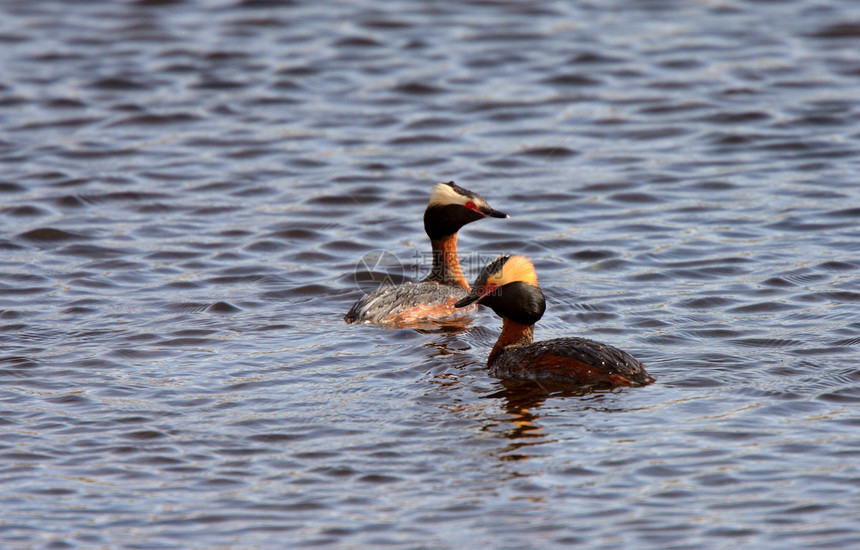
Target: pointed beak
(495, 213)
(477, 293)
(470, 299)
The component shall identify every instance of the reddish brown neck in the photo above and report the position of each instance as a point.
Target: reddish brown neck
(513, 333)
(446, 264)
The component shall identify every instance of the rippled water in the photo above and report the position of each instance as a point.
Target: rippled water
(187, 192)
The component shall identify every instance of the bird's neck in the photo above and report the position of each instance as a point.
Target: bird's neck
(513, 334)
(446, 264)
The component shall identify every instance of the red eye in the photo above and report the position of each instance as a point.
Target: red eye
(489, 289)
(471, 206)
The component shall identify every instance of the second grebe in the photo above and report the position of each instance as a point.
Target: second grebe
(509, 286)
(432, 300)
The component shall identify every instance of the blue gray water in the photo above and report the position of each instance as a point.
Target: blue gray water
(191, 193)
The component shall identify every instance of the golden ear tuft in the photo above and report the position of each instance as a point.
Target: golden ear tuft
(516, 269)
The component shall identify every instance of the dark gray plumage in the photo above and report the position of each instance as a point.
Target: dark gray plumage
(574, 360)
(387, 303)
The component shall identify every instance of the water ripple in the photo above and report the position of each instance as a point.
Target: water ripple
(185, 211)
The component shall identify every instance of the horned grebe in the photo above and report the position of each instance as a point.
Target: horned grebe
(509, 286)
(432, 300)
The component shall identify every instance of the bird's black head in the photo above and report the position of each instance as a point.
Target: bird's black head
(508, 285)
(451, 207)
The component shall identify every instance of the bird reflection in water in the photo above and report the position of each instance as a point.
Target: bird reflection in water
(522, 400)
(448, 328)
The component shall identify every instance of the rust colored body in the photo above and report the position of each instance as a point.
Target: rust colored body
(576, 361)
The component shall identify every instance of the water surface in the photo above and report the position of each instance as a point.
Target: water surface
(187, 192)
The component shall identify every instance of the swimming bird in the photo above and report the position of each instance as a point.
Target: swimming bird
(431, 300)
(509, 286)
